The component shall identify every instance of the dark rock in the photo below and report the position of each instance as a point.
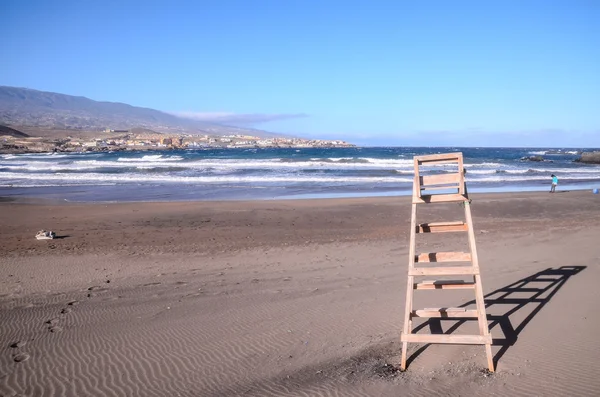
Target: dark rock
(21, 357)
(589, 158)
(532, 158)
(18, 344)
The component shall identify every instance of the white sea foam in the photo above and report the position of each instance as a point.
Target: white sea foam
(213, 163)
(195, 179)
(231, 165)
(42, 156)
(89, 183)
(480, 172)
(578, 170)
(485, 165)
(74, 178)
(150, 157)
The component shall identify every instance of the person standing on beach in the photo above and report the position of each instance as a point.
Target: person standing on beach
(554, 183)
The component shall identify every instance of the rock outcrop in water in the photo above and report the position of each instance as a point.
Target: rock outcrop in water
(589, 158)
(537, 159)
(533, 158)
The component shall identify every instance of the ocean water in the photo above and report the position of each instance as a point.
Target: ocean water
(255, 174)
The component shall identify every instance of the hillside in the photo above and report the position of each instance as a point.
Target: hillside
(27, 107)
(12, 132)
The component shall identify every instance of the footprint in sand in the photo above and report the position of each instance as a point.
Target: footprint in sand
(72, 303)
(66, 310)
(21, 357)
(55, 329)
(53, 321)
(18, 344)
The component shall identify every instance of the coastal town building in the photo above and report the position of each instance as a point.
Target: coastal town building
(127, 140)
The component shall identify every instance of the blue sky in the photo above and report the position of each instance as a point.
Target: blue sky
(474, 73)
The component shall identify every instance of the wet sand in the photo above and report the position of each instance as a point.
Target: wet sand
(290, 298)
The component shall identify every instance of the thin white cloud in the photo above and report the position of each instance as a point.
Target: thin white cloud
(238, 118)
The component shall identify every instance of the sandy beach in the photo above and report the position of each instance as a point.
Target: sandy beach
(293, 297)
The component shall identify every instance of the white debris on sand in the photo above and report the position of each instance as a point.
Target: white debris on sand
(45, 235)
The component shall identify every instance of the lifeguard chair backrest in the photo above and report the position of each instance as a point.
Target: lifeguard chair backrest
(439, 172)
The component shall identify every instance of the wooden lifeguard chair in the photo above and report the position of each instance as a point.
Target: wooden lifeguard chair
(450, 187)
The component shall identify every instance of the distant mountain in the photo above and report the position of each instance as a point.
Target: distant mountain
(27, 107)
